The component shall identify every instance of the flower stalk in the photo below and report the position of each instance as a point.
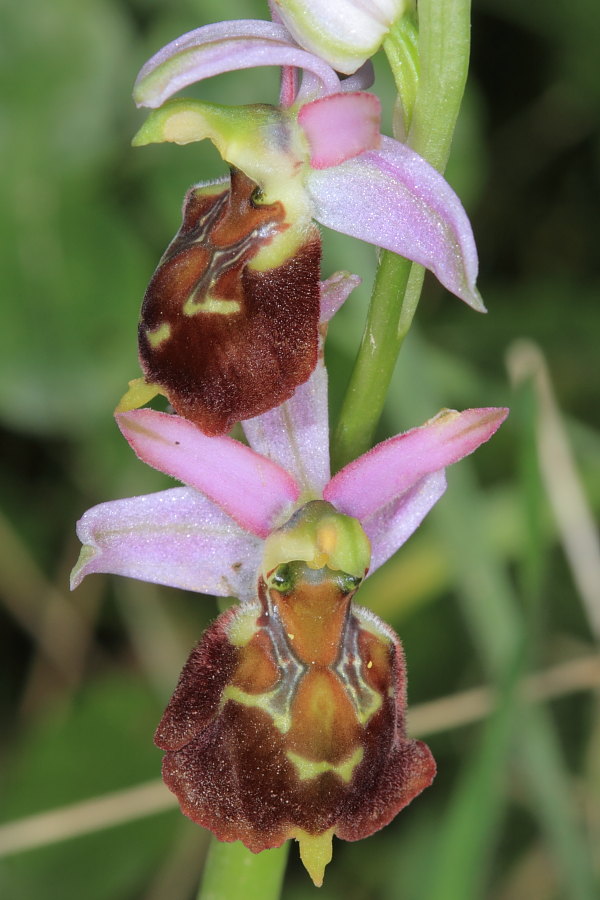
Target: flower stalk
(444, 40)
(233, 871)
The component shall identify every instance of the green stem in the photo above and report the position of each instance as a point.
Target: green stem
(444, 35)
(233, 872)
(365, 394)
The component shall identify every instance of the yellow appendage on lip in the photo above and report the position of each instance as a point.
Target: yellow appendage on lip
(315, 852)
(158, 336)
(138, 394)
(210, 304)
(308, 768)
(282, 720)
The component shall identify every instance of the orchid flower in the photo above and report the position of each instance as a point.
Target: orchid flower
(345, 33)
(288, 720)
(229, 322)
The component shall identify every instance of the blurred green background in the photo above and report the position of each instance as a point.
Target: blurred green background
(502, 581)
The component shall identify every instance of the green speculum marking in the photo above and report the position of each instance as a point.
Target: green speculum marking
(210, 304)
(203, 300)
(307, 769)
(157, 336)
(277, 702)
(318, 697)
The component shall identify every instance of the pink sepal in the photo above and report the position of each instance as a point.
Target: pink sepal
(176, 537)
(393, 467)
(250, 488)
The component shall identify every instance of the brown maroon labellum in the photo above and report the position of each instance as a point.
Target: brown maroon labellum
(288, 719)
(224, 341)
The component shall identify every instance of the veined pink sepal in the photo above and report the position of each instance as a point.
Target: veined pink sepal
(365, 486)
(253, 490)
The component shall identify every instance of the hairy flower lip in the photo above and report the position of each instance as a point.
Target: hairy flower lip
(298, 697)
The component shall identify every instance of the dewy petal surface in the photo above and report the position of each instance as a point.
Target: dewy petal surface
(223, 47)
(250, 488)
(368, 484)
(394, 199)
(176, 537)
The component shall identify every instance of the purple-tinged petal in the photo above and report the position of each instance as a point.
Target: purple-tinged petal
(394, 199)
(311, 88)
(361, 80)
(224, 47)
(175, 537)
(388, 528)
(295, 435)
(335, 291)
(250, 488)
(393, 467)
(289, 75)
(340, 127)
(288, 87)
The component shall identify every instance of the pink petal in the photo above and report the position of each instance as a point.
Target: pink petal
(223, 47)
(341, 126)
(296, 434)
(361, 80)
(335, 291)
(394, 199)
(175, 537)
(390, 527)
(288, 87)
(250, 488)
(311, 87)
(367, 485)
